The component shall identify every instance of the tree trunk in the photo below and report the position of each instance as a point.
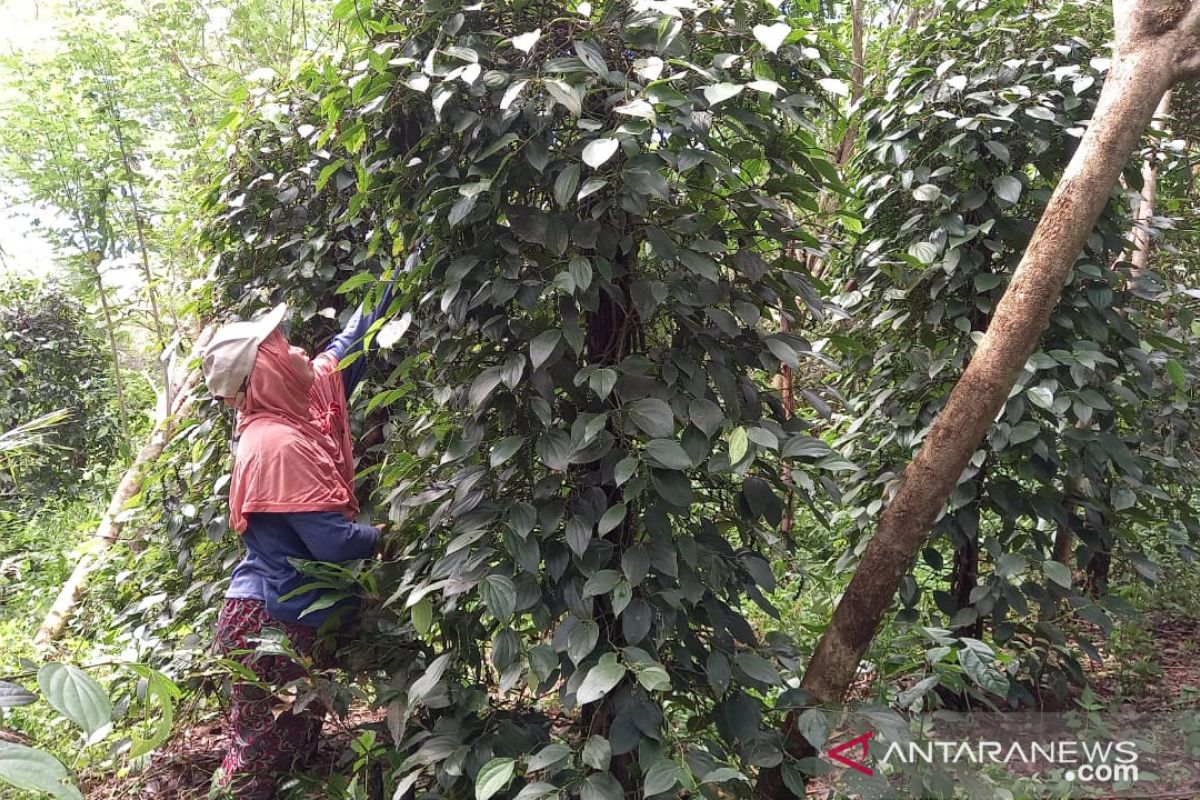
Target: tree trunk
(857, 78)
(1144, 214)
(110, 524)
(1155, 46)
(94, 262)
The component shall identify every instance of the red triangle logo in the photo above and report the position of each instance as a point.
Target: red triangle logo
(836, 753)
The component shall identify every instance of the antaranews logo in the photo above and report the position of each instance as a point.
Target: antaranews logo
(1078, 760)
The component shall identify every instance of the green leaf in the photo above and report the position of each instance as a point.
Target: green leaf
(598, 151)
(739, 443)
(422, 616)
(668, 453)
(1123, 499)
(525, 41)
(75, 695)
(597, 752)
(625, 469)
(12, 695)
(601, 786)
(758, 668)
(601, 583)
(582, 640)
(1011, 564)
(611, 518)
(505, 449)
(981, 672)
(500, 596)
(494, 777)
(663, 775)
(1176, 373)
(927, 193)
(548, 756)
(565, 185)
(834, 86)
(1007, 188)
(1023, 432)
(592, 56)
(542, 347)
(652, 416)
(924, 252)
(600, 680)
(35, 770)
(580, 270)
(1059, 573)
(570, 97)
(423, 685)
(720, 92)
(771, 36)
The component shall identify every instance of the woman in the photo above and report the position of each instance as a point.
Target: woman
(291, 498)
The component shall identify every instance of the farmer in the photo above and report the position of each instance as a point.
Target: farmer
(291, 497)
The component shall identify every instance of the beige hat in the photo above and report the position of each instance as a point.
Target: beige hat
(229, 356)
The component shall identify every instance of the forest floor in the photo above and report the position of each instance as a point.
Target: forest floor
(1151, 665)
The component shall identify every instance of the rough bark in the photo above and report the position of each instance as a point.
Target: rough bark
(110, 524)
(1144, 214)
(1157, 43)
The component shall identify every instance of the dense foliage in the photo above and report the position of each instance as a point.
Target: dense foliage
(654, 362)
(51, 359)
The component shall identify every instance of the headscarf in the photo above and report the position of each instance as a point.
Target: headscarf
(294, 451)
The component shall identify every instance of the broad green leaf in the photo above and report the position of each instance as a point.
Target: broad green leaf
(601, 786)
(35, 770)
(925, 252)
(661, 777)
(758, 668)
(500, 596)
(512, 93)
(548, 756)
(598, 151)
(76, 695)
(927, 193)
(494, 777)
(12, 695)
(565, 185)
(720, 92)
(582, 640)
(1059, 573)
(637, 108)
(772, 36)
(597, 752)
(1007, 188)
(1176, 373)
(611, 518)
(739, 443)
(423, 685)
(601, 583)
(422, 616)
(652, 416)
(542, 347)
(526, 41)
(668, 453)
(981, 672)
(571, 97)
(505, 449)
(600, 679)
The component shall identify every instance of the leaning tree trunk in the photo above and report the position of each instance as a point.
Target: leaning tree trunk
(1156, 45)
(110, 524)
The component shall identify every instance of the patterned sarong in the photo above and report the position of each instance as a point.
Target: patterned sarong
(265, 741)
